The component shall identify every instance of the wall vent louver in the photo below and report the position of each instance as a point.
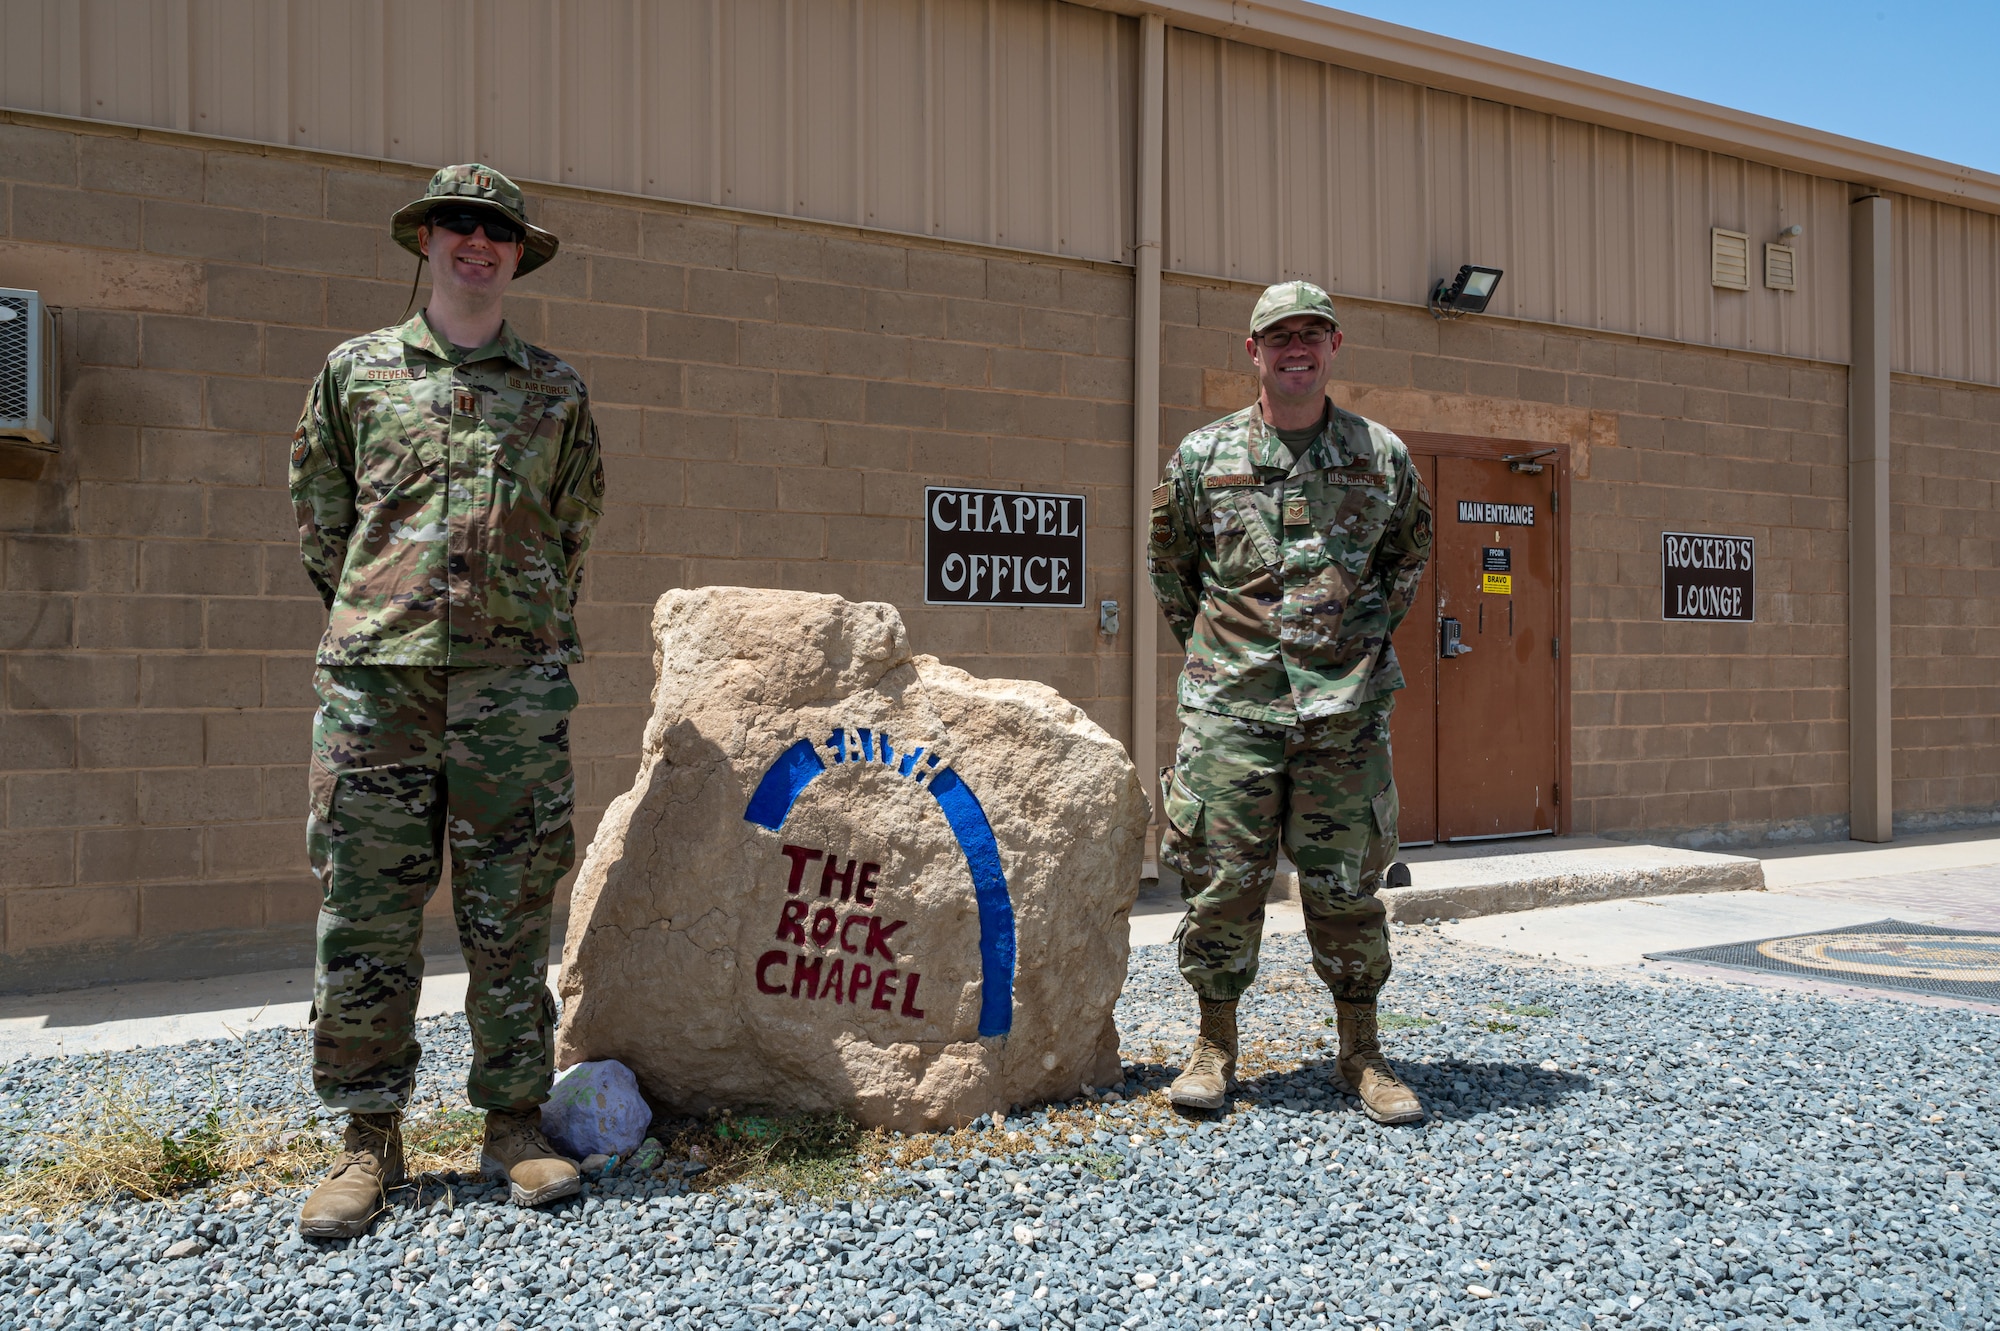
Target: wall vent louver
(27, 368)
(1781, 268)
(1729, 259)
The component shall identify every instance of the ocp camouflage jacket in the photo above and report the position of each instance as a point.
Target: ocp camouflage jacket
(1284, 582)
(444, 508)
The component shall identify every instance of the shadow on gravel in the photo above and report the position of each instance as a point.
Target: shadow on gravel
(1450, 1088)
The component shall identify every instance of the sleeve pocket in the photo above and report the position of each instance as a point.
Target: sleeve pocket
(1183, 805)
(554, 803)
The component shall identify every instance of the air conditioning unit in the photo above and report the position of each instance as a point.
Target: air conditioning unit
(28, 360)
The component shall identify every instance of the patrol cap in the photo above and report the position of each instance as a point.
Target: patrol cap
(474, 182)
(1287, 299)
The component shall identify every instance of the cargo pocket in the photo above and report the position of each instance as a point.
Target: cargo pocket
(554, 803)
(319, 791)
(1382, 845)
(1183, 805)
(374, 837)
(1386, 807)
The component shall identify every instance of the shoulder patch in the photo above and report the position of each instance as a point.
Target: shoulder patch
(1162, 493)
(386, 374)
(522, 383)
(1229, 480)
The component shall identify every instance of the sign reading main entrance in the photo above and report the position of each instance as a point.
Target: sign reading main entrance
(1710, 578)
(1501, 515)
(1002, 547)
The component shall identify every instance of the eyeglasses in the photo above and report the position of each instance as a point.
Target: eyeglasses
(1312, 335)
(465, 221)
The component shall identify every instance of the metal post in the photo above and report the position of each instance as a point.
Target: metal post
(1871, 815)
(1151, 174)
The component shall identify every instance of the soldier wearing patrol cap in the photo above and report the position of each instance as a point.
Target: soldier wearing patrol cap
(446, 477)
(1286, 544)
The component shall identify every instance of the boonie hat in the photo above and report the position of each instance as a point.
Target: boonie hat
(1287, 299)
(473, 182)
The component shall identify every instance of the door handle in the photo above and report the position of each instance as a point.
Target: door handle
(1448, 639)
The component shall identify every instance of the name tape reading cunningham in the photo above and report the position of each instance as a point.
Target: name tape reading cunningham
(1002, 547)
(1708, 577)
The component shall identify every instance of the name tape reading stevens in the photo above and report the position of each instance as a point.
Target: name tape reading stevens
(1002, 547)
(1708, 577)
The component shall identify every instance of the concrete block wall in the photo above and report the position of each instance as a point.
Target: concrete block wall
(1944, 520)
(772, 399)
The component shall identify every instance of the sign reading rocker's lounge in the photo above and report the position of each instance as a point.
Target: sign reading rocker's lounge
(1002, 547)
(1706, 577)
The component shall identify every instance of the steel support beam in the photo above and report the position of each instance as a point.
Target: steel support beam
(1145, 617)
(1871, 808)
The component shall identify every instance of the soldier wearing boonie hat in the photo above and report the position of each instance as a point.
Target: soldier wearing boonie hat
(446, 477)
(1286, 544)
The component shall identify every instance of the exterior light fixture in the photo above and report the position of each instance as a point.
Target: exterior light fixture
(1465, 294)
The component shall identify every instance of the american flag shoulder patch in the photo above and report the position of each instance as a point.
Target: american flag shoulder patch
(1162, 493)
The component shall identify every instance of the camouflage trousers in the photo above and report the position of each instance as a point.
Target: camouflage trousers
(1236, 788)
(405, 762)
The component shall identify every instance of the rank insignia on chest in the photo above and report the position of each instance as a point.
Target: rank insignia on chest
(464, 402)
(1298, 513)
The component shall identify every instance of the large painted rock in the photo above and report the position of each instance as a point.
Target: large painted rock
(851, 878)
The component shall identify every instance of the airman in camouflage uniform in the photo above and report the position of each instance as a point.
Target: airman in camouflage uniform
(1283, 566)
(446, 496)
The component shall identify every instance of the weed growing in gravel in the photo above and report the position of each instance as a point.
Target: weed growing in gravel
(118, 1144)
(122, 1143)
(795, 1155)
(1524, 1010)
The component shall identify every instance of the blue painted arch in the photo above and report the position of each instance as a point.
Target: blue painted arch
(798, 766)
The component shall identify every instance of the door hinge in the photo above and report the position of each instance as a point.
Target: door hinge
(1556, 646)
(1559, 792)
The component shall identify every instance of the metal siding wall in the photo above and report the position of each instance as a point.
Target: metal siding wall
(998, 121)
(1947, 265)
(1386, 187)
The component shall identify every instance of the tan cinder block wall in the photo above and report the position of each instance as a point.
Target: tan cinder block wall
(1944, 519)
(772, 398)
(1699, 733)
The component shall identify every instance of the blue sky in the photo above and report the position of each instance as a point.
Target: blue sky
(1920, 75)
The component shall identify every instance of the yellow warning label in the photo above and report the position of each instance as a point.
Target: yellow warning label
(1500, 584)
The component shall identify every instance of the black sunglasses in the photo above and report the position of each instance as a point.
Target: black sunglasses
(465, 221)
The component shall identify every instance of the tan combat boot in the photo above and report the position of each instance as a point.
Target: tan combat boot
(1382, 1094)
(356, 1189)
(1211, 1068)
(515, 1150)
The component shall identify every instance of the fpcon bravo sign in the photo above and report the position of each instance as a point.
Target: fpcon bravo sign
(1002, 547)
(1708, 577)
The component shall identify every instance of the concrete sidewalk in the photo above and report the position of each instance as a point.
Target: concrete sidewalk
(1495, 894)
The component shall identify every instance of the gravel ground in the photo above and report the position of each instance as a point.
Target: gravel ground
(1602, 1151)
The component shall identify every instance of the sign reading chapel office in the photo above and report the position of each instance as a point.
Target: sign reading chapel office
(1002, 547)
(1708, 577)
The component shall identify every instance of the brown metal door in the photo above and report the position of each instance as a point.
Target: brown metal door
(1413, 727)
(1495, 561)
